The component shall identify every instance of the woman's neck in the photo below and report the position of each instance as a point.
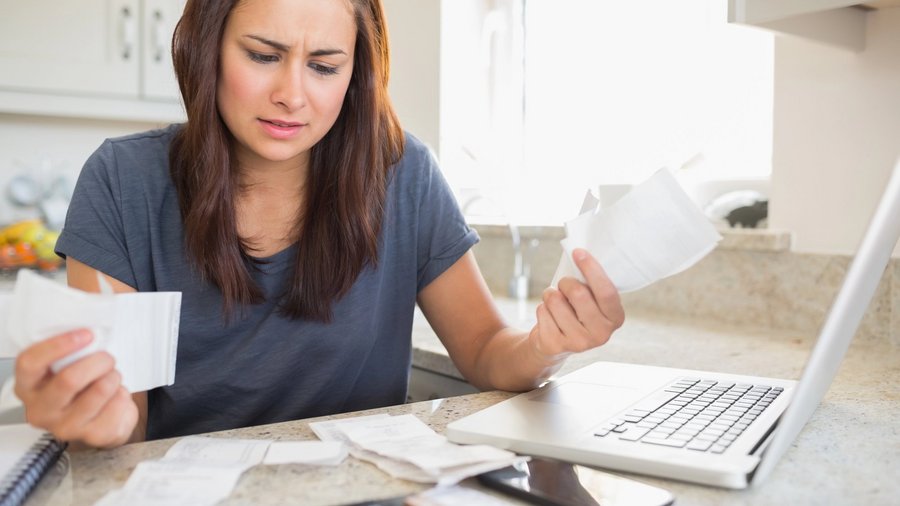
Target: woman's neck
(269, 204)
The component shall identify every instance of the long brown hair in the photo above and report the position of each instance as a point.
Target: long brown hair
(345, 191)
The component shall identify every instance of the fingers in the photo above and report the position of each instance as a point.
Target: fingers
(88, 405)
(55, 403)
(604, 291)
(100, 414)
(84, 401)
(33, 364)
(62, 388)
(579, 316)
(549, 342)
(573, 334)
(114, 424)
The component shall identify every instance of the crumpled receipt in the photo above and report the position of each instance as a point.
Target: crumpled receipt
(140, 330)
(652, 232)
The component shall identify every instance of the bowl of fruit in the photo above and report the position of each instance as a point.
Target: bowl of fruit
(28, 243)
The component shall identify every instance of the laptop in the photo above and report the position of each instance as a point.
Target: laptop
(704, 427)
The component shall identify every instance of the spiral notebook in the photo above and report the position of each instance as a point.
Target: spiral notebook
(26, 454)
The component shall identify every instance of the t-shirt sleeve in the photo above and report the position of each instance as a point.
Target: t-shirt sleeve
(94, 231)
(443, 235)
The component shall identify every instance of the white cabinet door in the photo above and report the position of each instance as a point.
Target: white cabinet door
(159, 20)
(83, 47)
(839, 23)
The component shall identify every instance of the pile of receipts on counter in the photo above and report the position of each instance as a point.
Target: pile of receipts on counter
(199, 470)
(406, 448)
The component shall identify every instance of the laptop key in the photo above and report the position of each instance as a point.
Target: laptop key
(699, 445)
(674, 443)
(655, 401)
(634, 433)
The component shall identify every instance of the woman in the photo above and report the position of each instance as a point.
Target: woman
(302, 227)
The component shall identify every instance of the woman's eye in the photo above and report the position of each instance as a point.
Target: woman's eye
(261, 57)
(325, 70)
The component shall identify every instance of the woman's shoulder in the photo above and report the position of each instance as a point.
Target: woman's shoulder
(417, 162)
(417, 176)
(137, 162)
(137, 153)
(149, 141)
(415, 152)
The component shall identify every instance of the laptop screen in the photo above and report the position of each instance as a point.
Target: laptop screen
(860, 283)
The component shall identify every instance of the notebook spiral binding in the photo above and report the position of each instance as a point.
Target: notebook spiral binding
(24, 477)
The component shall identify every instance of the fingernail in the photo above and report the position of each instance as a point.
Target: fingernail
(81, 336)
(579, 255)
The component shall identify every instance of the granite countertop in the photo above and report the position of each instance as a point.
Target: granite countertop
(847, 454)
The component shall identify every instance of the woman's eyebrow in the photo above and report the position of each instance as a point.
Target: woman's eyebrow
(326, 52)
(284, 47)
(277, 45)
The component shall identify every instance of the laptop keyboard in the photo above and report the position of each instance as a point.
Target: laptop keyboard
(700, 415)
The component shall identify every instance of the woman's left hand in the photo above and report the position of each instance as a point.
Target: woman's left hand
(576, 316)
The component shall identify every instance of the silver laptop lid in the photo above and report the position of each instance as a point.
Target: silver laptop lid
(840, 325)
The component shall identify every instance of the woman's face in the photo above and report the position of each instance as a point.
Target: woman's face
(284, 70)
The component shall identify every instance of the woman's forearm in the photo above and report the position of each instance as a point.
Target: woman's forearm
(510, 361)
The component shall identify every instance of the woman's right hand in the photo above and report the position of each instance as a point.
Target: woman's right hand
(84, 402)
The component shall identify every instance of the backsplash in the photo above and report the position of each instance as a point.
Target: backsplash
(752, 278)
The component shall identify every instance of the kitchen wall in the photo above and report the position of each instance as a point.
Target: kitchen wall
(53, 145)
(415, 39)
(836, 135)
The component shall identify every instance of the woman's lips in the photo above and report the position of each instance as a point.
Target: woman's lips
(281, 129)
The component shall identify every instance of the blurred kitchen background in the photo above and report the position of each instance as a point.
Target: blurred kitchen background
(786, 111)
(527, 103)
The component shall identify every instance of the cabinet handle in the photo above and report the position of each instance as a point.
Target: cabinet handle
(127, 31)
(159, 36)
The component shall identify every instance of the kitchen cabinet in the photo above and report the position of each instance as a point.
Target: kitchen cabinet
(90, 58)
(840, 23)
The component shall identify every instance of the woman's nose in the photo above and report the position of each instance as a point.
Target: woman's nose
(289, 92)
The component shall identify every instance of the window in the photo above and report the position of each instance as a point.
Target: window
(543, 99)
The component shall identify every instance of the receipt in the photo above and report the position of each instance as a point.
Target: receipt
(140, 330)
(196, 471)
(405, 447)
(319, 453)
(653, 232)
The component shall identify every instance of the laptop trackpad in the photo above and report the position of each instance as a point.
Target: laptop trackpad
(605, 397)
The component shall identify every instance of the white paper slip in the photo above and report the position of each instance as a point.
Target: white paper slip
(391, 428)
(331, 430)
(652, 232)
(165, 482)
(140, 330)
(196, 470)
(241, 453)
(318, 453)
(405, 447)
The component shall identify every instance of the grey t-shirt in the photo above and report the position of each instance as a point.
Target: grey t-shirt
(261, 368)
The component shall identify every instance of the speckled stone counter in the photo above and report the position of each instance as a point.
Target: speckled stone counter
(849, 452)
(84, 477)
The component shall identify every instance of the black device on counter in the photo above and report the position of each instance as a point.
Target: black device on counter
(555, 483)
